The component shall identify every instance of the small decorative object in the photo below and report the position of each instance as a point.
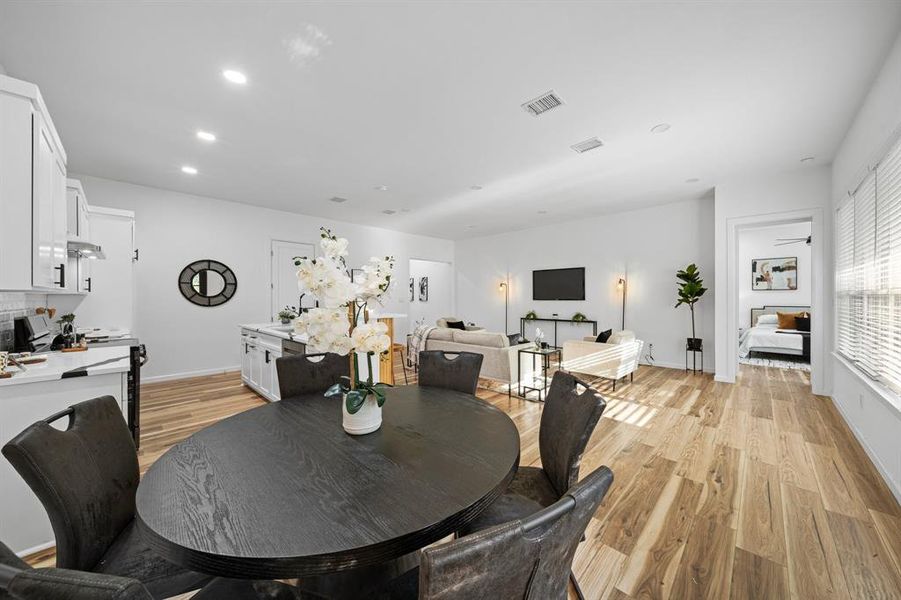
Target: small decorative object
(531, 316)
(555, 315)
(539, 338)
(67, 329)
(423, 289)
(340, 323)
(774, 273)
(287, 314)
(4, 361)
(412, 294)
(579, 317)
(690, 289)
(207, 283)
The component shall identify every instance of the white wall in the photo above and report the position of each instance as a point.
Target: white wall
(760, 242)
(648, 245)
(441, 291)
(174, 229)
(775, 198)
(873, 413)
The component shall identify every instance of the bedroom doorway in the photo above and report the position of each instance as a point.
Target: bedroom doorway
(774, 295)
(786, 274)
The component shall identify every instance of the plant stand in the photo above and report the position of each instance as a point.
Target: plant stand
(694, 357)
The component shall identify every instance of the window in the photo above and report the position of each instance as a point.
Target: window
(868, 272)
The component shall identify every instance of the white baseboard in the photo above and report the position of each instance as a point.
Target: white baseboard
(676, 366)
(189, 374)
(35, 549)
(874, 458)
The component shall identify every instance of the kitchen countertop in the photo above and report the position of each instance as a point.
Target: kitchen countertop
(285, 332)
(58, 363)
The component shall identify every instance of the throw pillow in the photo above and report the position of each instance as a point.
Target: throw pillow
(787, 320)
(515, 339)
(604, 336)
(456, 325)
(802, 323)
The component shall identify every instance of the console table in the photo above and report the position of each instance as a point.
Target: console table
(523, 321)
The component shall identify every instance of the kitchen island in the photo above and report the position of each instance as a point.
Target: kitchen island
(29, 396)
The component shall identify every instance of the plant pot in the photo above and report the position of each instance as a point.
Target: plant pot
(286, 321)
(366, 420)
(694, 344)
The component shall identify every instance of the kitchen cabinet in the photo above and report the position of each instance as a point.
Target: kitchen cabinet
(78, 228)
(259, 351)
(32, 192)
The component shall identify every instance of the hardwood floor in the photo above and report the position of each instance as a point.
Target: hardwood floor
(754, 490)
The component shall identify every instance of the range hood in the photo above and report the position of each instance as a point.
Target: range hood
(84, 249)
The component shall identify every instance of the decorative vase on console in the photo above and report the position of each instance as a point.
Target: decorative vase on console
(341, 324)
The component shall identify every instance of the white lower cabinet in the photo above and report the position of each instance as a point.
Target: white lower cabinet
(258, 355)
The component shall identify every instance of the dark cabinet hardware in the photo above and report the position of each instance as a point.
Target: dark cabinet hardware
(136, 256)
(88, 281)
(62, 275)
(267, 357)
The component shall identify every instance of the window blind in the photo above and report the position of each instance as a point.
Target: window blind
(868, 272)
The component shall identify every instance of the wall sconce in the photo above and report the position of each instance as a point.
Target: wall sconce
(506, 289)
(621, 286)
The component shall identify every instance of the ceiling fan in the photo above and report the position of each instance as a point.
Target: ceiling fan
(788, 241)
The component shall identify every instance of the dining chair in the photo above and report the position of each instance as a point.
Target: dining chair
(458, 371)
(528, 558)
(301, 374)
(86, 477)
(18, 581)
(567, 422)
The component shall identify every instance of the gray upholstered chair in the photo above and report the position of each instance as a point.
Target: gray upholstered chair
(298, 374)
(86, 478)
(18, 581)
(567, 422)
(450, 370)
(528, 558)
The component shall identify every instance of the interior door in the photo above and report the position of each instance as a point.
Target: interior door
(284, 273)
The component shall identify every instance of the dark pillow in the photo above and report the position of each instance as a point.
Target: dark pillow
(604, 336)
(515, 339)
(802, 323)
(456, 325)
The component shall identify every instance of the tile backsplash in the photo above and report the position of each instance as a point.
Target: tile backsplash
(12, 305)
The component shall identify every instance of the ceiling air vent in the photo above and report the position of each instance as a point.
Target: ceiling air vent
(543, 103)
(338, 199)
(589, 144)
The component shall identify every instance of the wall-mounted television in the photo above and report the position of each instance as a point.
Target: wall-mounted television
(559, 284)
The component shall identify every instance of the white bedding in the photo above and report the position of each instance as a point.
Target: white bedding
(769, 339)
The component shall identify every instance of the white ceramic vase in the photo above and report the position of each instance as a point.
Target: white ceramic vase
(366, 420)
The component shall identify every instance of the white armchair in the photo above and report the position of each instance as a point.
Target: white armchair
(612, 360)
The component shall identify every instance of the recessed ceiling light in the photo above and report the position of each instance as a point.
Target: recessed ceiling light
(405, 210)
(206, 136)
(337, 199)
(475, 187)
(189, 170)
(661, 128)
(542, 212)
(381, 188)
(388, 211)
(692, 180)
(235, 76)
(808, 159)
(470, 227)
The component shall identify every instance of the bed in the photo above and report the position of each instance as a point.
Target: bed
(764, 335)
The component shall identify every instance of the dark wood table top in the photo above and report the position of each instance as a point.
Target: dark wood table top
(281, 491)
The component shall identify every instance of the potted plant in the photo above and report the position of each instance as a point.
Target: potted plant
(287, 314)
(690, 289)
(340, 323)
(67, 328)
(531, 315)
(579, 317)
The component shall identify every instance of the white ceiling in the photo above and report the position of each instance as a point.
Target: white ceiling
(424, 98)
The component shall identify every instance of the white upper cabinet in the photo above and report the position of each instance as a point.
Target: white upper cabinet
(33, 239)
(78, 227)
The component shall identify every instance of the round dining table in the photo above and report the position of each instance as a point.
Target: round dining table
(281, 491)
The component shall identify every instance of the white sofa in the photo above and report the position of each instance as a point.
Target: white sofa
(612, 360)
(499, 357)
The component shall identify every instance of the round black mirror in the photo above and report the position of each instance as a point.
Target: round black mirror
(207, 283)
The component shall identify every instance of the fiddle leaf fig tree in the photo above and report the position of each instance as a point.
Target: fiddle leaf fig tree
(690, 288)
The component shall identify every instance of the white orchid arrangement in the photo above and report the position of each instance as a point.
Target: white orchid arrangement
(340, 323)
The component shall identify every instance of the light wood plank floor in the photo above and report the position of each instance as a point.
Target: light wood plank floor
(753, 490)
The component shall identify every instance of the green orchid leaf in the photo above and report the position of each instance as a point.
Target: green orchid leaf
(354, 401)
(335, 390)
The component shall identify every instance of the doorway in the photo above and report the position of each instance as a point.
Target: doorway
(283, 285)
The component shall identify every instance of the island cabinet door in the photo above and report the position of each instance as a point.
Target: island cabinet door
(274, 392)
(245, 359)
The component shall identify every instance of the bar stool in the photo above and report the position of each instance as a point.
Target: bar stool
(399, 348)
